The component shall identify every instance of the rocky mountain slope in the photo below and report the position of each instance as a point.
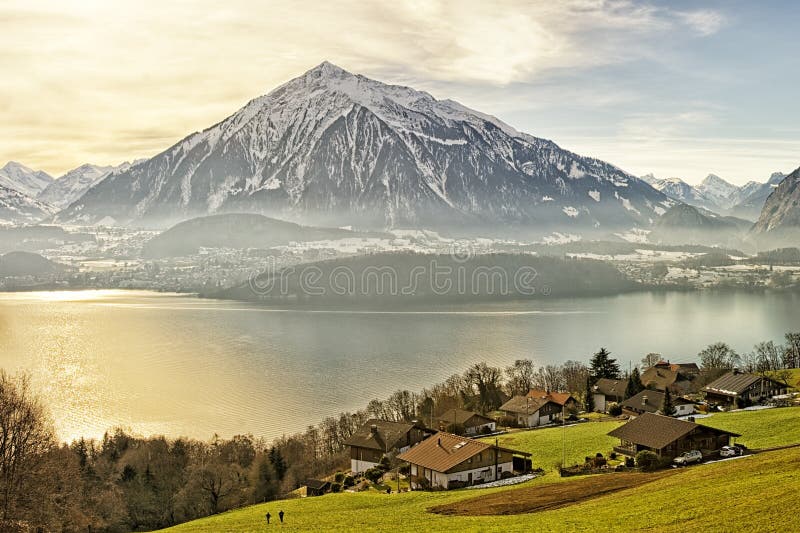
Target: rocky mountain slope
(754, 195)
(333, 148)
(780, 217)
(19, 208)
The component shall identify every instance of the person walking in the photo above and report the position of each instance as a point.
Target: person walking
(280, 515)
(268, 517)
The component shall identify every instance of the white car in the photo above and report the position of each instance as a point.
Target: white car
(692, 456)
(730, 451)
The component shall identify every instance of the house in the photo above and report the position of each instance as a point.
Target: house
(668, 437)
(607, 391)
(377, 438)
(678, 377)
(650, 401)
(531, 412)
(564, 399)
(741, 388)
(316, 487)
(449, 461)
(473, 423)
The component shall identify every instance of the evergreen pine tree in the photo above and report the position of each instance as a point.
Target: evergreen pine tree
(635, 385)
(667, 408)
(603, 366)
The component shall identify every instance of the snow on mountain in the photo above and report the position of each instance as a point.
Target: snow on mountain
(19, 208)
(334, 148)
(780, 216)
(72, 185)
(718, 191)
(23, 179)
(752, 198)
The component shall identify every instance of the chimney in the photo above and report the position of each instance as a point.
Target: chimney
(644, 400)
(439, 442)
(373, 429)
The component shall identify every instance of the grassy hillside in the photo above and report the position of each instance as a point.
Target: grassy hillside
(689, 500)
(760, 429)
(579, 441)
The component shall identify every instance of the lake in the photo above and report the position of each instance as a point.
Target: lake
(178, 365)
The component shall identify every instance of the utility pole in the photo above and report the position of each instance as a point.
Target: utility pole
(563, 436)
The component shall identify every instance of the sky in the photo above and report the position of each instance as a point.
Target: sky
(677, 89)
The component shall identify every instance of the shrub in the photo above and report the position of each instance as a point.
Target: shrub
(374, 474)
(336, 487)
(405, 469)
(613, 455)
(615, 410)
(385, 465)
(647, 460)
(348, 481)
(455, 429)
(339, 477)
(455, 484)
(629, 462)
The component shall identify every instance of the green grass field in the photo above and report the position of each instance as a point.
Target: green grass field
(579, 440)
(760, 429)
(757, 490)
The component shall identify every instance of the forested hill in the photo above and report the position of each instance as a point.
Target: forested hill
(428, 278)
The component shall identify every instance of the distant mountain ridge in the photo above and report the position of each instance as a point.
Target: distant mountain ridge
(719, 196)
(20, 178)
(18, 208)
(72, 185)
(333, 148)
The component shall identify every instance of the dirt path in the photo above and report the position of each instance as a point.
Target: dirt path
(546, 497)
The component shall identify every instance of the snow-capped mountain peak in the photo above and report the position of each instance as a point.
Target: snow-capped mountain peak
(335, 148)
(21, 178)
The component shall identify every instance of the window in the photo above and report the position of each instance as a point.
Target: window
(480, 457)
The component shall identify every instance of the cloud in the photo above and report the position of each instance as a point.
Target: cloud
(703, 21)
(81, 75)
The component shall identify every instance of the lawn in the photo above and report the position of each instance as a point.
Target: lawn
(698, 498)
(760, 429)
(579, 440)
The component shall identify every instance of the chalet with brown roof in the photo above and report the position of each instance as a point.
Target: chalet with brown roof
(473, 423)
(377, 438)
(741, 387)
(668, 437)
(678, 377)
(651, 401)
(607, 391)
(449, 461)
(531, 412)
(564, 399)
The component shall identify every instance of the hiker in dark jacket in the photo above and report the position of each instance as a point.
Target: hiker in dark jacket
(268, 517)
(280, 515)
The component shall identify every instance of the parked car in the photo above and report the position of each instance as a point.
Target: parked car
(692, 456)
(730, 451)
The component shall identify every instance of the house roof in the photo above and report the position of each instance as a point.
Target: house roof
(660, 377)
(461, 416)
(649, 401)
(733, 383)
(443, 451)
(385, 437)
(657, 431)
(561, 398)
(610, 387)
(316, 484)
(524, 404)
(678, 367)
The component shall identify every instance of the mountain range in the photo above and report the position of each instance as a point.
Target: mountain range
(719, 196)
(333, 148)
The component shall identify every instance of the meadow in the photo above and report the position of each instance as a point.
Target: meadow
(758, 487)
